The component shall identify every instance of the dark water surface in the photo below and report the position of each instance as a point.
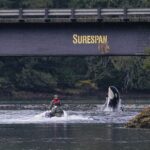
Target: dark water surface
(73, 137)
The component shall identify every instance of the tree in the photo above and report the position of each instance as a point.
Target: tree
(35, 81)
(102, 72)
(36, 3)
(133, 74)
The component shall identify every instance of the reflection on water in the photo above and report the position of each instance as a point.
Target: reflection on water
(72, 136)
(91, 129)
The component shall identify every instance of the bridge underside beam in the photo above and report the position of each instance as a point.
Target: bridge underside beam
(68, 20)
(74, 39)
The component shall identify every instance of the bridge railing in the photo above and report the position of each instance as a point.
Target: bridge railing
(123, 13)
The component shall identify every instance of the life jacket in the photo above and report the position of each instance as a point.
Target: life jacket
(56, 101)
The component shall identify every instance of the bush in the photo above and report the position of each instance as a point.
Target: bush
(6, 87)
(36, 81)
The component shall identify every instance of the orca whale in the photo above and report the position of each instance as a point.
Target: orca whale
(113, 101)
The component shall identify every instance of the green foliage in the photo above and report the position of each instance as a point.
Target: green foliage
(45, 74)
(35, 81)
(3, 83)
(102, 72)
(6, 87)
(147, 51)
(127, 73)
(132, 71)
(147, 63)
(73, 3)
(36, 3)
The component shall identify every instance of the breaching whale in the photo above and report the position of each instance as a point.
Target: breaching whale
(113, 101)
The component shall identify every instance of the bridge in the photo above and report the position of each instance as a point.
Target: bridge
(80, 15)
(118, 31)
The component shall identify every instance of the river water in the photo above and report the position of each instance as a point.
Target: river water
(90, 129)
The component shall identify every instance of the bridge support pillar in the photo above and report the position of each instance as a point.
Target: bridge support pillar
(46, 15)
(125, 14)
(99, 16)
(21, 15)
(72, 18)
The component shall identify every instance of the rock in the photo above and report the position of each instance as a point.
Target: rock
(142, 120)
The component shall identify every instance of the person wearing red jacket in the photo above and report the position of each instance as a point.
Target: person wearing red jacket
(55, 107)
(55, 102)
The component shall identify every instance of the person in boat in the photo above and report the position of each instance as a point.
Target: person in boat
(55, 107)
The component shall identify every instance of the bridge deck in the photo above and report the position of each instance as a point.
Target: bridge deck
(78, 15)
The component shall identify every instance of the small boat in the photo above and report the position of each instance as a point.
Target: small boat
(55, 112)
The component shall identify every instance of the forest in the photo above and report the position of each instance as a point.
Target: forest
(83, 73)
(73, 3)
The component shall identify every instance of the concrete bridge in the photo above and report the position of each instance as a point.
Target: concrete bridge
(74, 32)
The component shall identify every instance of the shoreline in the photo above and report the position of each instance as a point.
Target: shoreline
(76, 96)
(44, 107)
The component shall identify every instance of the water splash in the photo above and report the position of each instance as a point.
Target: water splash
(107, 108)
(90, 116)
(65, 118)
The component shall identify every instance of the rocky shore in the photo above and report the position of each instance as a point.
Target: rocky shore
(142, 120)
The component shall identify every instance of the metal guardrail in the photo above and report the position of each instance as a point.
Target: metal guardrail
(74, 14)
